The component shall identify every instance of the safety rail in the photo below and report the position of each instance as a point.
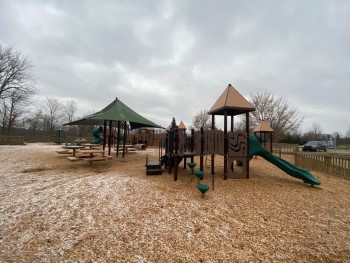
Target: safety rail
(327, 163)
(285, 148)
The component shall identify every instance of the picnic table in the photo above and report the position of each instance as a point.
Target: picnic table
(92, 152)
(90, 155)
(91, 145)
(128, 148)
(74, 148)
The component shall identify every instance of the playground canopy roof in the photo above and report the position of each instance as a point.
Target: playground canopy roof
(116, 111)
(263, 127)
(232, 102)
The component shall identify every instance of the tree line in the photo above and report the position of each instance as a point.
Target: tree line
(17, 92)
(17, 110)
(281, 117)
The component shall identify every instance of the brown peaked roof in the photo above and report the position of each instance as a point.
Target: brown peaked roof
(231, 101)
(182, 126)
(263, 127)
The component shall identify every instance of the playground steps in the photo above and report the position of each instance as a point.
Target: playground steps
(153, 169)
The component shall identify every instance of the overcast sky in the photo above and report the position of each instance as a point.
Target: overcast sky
(169, 59)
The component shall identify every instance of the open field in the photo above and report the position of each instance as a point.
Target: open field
(55, 210)
(345, 147)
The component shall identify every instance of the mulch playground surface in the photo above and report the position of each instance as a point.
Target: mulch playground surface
(53, 210)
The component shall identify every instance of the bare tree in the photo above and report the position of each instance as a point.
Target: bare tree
(314, 133)
(52, 113)
(15, 73)
(240, 125)
(69, 109)
(316, 130)
(3, 114)
(276, 111)
(34, 121)
(17, 86)
(201, 119)
(12, 108)
(82, 130)
(347, 134)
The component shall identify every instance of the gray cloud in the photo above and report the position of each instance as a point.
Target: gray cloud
(174, 58)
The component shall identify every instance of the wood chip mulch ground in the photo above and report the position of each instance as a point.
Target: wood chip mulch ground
(53, 210)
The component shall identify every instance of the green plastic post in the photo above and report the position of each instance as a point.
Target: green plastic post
(203, 188)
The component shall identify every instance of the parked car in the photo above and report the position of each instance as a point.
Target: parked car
(315, 146)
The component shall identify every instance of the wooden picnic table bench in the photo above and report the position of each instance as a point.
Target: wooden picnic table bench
(90, 159)
(91, 152)
(64, 152)
(91, 145)
(90, 155)
(74, 148)
(94, 159)
(74, 159)
(128, 148)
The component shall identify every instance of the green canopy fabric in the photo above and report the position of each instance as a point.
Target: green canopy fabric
(116, 111)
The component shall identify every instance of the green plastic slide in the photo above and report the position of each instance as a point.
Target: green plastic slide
(255, 148)
(98, 136)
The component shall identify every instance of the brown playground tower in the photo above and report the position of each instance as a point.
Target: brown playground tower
(235, 144)
(261, 131)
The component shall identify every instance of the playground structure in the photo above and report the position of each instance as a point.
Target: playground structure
(211, 142)
(143, 135)
(97, 133)
(261, 131)
(234, 146)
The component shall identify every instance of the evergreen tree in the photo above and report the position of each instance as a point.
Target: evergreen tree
(173, 123)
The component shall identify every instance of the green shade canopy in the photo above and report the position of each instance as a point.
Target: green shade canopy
(116, 111)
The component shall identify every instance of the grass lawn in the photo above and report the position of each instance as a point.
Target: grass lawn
(344, 147)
